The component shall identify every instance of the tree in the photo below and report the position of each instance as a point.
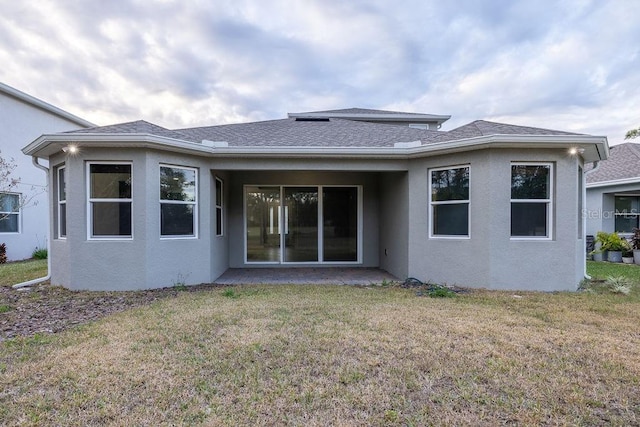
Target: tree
(633, 133)
(8, 183)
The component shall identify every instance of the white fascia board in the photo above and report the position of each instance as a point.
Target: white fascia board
(15, 93)
(47, 145)
(624, 181)
(594, 146)
(50, 144)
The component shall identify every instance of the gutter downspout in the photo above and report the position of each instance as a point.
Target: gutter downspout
(596, 165)
(34, 160)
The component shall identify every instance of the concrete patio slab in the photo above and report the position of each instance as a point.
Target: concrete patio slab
(304, 276)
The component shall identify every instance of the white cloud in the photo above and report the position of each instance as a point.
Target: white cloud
(571, 65)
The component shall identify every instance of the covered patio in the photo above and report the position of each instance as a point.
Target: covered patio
(305, 276)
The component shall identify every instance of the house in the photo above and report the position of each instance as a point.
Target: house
(613, 191)
(492, 205)
(25, 226)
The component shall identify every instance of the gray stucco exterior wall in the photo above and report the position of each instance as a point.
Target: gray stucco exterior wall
(395, 221)
(490, 258)
(146, 260)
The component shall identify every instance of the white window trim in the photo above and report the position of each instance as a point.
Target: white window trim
(19, 214)
(180, 202)
(60, 202)
(616, 213)
(433, 203)
(359, 232)
(549, 203)
(219, 207)
(91, 200)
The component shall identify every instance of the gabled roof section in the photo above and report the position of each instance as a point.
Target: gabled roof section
(35, 102)
(135, 127)
(293, 133)
(485, 128)
(375, 116)
(623, 164)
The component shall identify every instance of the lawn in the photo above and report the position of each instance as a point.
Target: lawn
(335, 355)
(602, 270)
(21, 271)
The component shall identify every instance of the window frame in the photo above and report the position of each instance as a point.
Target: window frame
(219, 207)
(179, 202)
(432, 203)
(549, 201)
(60, 202)
(623, 214)
(18, 213)
(92, 200)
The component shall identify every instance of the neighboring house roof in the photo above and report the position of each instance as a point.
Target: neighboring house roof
(623, 165)
(15, 93)
(484, 128)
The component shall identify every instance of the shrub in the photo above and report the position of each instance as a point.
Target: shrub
(40, 253)
(3, 253)
(618, 285)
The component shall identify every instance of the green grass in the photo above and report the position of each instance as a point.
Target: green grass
(335, 355)
(602, 270)
(17, 272)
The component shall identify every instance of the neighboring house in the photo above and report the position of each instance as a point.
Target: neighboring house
(613, 192)
(25, 226)
(484, 205)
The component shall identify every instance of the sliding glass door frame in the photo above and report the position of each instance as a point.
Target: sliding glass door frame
(282, 227)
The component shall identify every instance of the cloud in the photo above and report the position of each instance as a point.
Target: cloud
(571, 65)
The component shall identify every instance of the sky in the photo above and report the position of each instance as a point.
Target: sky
(570, 65)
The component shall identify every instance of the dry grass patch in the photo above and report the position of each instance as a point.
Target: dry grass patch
(329, 355)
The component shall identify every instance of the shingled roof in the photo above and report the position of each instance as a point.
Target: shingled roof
(136, 127)
(302, 133)
(485, 128)
(623, 163)
(324, 132)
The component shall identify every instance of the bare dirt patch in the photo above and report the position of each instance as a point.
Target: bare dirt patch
(48, 309)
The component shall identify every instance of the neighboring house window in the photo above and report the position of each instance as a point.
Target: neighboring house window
(627, 212)
(178, 204)
(9, 213)
(449, 201)
(62, 203)
(110, 200)
(531, 196)
(219, 207)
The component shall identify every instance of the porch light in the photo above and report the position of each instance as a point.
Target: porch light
(70, 149)
(575, 150)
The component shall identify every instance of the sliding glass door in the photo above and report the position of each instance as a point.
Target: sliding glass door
(283, 224)
(263, 224)
(301, 224)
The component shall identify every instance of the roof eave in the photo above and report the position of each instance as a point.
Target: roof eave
(613, 182)
(591, 147)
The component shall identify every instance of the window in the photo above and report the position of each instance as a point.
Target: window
(449, 201)
(531, 195)
(626, 214)
(178, 205)
(110, 200)
(9, 213)
(219, 207)
(62, 203)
